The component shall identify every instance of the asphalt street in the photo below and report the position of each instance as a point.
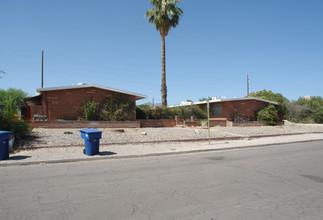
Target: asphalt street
(273, 182)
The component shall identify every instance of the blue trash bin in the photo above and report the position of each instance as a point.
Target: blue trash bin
(91, 140)
(4, 144)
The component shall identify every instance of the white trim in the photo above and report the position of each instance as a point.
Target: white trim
(85, 85)
(230, 100)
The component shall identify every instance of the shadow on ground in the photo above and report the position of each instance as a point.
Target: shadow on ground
(18, 157)
(106, 153)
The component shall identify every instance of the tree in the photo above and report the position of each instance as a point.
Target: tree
(318, 115)
(9, 98)
(276, 97)
(205, 99)
(164, 16)
(11, 94)
(269, 95)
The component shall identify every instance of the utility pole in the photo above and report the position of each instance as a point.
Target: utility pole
(42, 69)
(208, 120)
(247, 85)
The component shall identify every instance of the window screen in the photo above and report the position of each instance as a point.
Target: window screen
(217, 109)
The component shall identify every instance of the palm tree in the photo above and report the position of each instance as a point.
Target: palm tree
(164, 15)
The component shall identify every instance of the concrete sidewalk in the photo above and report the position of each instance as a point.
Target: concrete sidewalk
(118, 151)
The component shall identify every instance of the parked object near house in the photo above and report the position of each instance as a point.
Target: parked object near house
(65, 102)
(4, 144)
(91, 141)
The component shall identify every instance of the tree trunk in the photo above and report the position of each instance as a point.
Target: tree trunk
(163, 84)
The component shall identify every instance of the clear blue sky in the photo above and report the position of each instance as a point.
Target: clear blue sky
(278, 43)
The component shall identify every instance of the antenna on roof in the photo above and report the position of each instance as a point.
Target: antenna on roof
(42, 69)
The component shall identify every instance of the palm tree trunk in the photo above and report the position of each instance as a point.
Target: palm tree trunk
(163, 84)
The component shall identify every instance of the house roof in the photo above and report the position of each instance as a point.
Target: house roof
(35, 100)
(230, 100)
(85, 85)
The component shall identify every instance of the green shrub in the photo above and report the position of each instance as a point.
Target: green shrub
(195, 111)
(162, 113)
(117, 109)
(90, 111)
(140, 113)
(318, 115)
(184, 112)
(19, 127)
(110, 109)
(268, 115)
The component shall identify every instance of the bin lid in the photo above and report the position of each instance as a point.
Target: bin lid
(90, 130)
(5, 132)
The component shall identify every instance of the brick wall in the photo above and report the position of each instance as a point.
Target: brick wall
(33, 110)
(245, 108)
(66, 104)
(157, 123)
(87, 124)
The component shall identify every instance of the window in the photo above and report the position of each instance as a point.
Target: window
(217, 109)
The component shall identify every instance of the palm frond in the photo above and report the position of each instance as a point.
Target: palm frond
(164, 15)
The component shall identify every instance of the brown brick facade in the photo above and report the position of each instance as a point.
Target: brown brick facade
(230, 109)
(66, 104)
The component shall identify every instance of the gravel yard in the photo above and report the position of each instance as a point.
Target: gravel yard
(66, 137)
(72, 138)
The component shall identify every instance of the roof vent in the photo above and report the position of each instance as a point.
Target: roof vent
(81, 84)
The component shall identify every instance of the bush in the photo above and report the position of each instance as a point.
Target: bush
(318, 115)
(184, 112)
(90, 111)
(268, 115)
(117, 109)
(19, 127)
(298, 113)
(162, 113)
(110, 109)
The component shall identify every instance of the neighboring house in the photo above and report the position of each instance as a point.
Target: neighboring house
(233, 109)
(65, 102)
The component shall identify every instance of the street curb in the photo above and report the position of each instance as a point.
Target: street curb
(150, 155)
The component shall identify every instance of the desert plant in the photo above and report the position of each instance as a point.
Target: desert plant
(90, 111)
(298, 113)
(318, 115)
(117, 109)
(19, 127)
(268, 115)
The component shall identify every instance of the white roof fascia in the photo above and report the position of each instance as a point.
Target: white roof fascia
(137, 95)
(236, 99)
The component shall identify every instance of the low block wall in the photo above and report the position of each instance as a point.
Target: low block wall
(222, 123)
(192, 123)
(213, 123)
(138, 124)
(247, 124)
(87, 124)
(157, 123)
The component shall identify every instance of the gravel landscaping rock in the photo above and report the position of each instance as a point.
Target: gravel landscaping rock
(66, 145)
(71, 137)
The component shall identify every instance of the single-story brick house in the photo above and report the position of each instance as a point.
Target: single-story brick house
(232, 109)
(64, 102)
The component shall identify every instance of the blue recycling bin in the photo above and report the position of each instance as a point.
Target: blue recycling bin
(91, 140)
(4, 144)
